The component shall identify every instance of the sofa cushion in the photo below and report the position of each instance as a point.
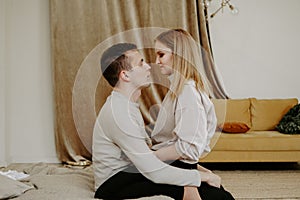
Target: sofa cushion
(266, 113)
(232, 110)
(258, 141)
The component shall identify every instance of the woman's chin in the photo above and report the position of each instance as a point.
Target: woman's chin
(164, 72)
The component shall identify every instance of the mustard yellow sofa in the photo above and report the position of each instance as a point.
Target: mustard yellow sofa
(261, 143)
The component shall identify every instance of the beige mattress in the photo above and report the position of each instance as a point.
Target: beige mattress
(53, 181)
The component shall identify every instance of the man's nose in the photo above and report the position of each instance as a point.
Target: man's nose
(148, 67)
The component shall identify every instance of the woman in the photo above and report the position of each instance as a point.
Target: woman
(183, 130)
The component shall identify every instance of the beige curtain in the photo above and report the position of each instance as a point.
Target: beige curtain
(207, 55)
(80, 31)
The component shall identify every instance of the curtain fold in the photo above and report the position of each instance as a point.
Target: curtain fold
(211, 73)
(80, 31)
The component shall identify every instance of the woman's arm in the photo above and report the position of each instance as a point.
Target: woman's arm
(190, 124)
(167, 153)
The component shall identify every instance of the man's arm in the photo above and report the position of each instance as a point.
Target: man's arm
(131, 140)
(170, 153)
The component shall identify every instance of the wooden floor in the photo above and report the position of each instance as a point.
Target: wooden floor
(259, 180)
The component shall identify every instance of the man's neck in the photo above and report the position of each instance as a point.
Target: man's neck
(132, 94)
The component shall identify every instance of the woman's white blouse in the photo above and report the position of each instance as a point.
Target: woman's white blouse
(189, 122)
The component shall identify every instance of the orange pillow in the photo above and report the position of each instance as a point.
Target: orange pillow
(234, 127)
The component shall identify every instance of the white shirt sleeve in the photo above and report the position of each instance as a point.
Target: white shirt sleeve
(191, 125)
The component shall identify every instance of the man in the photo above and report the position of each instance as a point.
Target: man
(124, 166)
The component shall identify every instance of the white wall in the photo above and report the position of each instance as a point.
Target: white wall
(2, 84)
(29, 129)
(257, 51)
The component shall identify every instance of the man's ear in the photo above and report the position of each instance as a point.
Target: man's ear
(124, 76)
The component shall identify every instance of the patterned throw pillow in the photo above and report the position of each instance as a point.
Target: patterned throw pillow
(290, 123)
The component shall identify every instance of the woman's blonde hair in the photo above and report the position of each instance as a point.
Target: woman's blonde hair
(187, 60)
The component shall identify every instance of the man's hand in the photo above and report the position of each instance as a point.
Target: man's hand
(203, 169)
(211, 179)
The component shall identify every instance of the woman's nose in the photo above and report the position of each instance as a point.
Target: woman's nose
(157, 61)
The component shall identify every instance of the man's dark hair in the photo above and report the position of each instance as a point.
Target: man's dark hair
(113, 61)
